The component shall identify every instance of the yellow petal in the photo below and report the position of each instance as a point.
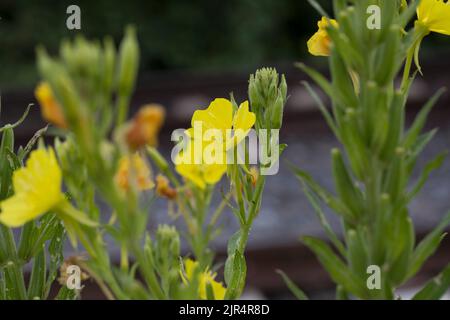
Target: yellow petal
(319, 44)
(192, 173)
(189, 268)
(219, 290)
(214, 172)
(205, 278)
(218, 115)
(435, 14)
(244, 119)
(18, 210)
(37, 188)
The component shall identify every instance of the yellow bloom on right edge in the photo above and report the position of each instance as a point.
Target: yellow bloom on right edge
(435, 15)
(205, 278)
(320, 43)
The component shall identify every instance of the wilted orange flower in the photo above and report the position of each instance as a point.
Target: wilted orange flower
(254, 174)
(134, 170)
(164, 189)
(50, 109)
(145, 126)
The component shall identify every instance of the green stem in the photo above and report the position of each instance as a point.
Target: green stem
(122, 109)
(254, 208)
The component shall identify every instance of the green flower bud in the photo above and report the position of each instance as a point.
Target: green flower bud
(128, 62)
(268, 96)
(277, 113)
(168, 244)
(109, 65)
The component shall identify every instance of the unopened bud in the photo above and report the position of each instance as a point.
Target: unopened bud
(129, 62)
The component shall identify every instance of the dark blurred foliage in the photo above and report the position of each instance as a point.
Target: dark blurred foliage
(207, 35)
(174, 34)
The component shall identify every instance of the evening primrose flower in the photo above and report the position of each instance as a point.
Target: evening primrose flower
(232, 128)
(320, 43)
(37, 189)
(134, 168)
(435, 15)
(50, 108)
(205, 278)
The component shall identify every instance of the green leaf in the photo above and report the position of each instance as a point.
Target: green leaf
(65, 293)
(296, 291)
(66, 209)
(324, 222)
(318, 7)
(36, 288)
(357, 253)
(346, 189)
(436, 287)
(235, 275)
(419, 121)
(402, 246)
(434, 164)
(396, 124)
(326, 114)
(55, 251)
(336, 268)
(323, 83)
(428, 246)
(26, 244)
(18, 122)
(209, 292)
(6, 168)
(333, 202)
(408, 14)
(233, 242)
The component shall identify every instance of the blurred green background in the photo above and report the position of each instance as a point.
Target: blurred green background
(209, 36)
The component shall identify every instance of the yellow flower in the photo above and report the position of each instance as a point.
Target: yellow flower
(144, 128)
(200, 174)
(50, 108)
(435, 15)
(233, 128)
(205, 278)
(37, 189)
(134, 169)
(319, 44)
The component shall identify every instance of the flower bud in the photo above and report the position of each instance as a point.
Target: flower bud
(268, 96)
(128, 62)
(168, 241)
